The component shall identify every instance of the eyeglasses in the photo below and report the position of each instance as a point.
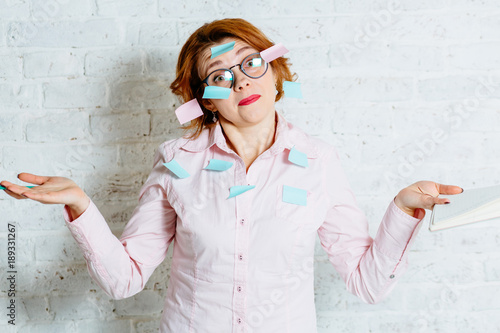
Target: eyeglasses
(252, 66)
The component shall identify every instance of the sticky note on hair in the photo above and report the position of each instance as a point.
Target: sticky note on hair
(239, 189)
(298, 157)
(218, 165)
(292, 89)
(188, 111)
(176, 169)
(273, 52)
(213, 92)
(294, 195)
(221, 49)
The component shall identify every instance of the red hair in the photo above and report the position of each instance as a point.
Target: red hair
(187, 84)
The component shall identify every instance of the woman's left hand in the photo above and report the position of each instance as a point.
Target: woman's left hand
(417, 197)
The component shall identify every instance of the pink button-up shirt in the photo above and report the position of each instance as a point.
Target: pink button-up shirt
(245, 264)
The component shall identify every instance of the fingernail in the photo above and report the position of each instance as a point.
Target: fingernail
(18, 175)
(462, 190)
(447, 202)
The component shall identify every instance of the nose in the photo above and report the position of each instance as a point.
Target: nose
(240, 80)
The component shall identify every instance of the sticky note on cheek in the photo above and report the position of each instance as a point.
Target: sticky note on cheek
(221, 49)
(273, 52)
(188, 111)
(292, 89)
(294, 195)
(213, 92)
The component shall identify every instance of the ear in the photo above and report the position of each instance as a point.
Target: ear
(207, 104)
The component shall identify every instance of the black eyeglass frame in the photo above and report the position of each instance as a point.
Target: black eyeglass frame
(241, 69)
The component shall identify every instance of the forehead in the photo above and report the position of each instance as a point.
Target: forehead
(205, 60)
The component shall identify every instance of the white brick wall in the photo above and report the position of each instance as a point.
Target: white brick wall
(84, 94)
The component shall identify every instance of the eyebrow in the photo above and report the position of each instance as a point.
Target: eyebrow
(218, 62)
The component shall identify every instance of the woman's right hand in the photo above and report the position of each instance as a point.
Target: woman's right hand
(50, 190)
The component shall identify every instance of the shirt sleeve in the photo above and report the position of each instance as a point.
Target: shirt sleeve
(121, 267)
(369, 267)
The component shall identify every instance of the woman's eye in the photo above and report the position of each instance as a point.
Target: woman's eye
(255, 62)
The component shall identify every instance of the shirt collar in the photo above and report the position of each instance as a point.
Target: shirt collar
(287, 136)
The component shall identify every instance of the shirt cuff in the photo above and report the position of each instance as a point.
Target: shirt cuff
(396, 232)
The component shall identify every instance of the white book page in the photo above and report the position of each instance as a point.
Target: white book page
(462, 203)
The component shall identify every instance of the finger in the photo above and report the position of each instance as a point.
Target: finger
(32, 179)
(14, 195)
(430, 201)
(419, 213)
(449, 189)
(14, 188)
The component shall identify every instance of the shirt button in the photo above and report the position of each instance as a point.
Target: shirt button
(242, 221)
(392, 276)
(240, 257)
(239, 320)
(239, 289)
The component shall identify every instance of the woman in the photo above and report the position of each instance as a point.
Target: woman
(242, 261)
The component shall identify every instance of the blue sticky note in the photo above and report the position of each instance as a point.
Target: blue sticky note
(294, 195)
(176, 169)
(218, 165)
(218, 50)
(298, 157)
(292, 89)
(239, 189)
(216, 92)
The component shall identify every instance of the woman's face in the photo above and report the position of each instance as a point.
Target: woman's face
(234, 109)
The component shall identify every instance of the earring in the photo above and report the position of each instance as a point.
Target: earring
(214, 119)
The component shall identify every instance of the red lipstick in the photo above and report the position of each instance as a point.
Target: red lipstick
(249, 100)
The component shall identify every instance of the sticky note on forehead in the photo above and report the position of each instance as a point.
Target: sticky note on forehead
(273, 52)
(188, 111)
(221, 49)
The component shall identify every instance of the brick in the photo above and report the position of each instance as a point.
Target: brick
(69, 127)
(158, 34)
(78, 307)
(474, 56)
(139, 94)
(34, 308)
(14, 9)
(74, 93)
(20, 96)
(11, 65)
(11, 128)
(57, 247)
(150, 326)
(53, 64)
(456, 88)
(103, 32)
(416, 58)
(109, 325)
(200, 9)
(161, 60)
(53, 327)
(115, 187)
(128, 8)
(146, 302)
(165, 126)
(55, 9)
(270, 9)
(120, 126)
(104, 63)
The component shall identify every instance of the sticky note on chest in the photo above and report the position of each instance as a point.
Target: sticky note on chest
(294, 195)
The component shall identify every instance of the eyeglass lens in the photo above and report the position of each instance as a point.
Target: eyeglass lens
(253, 66)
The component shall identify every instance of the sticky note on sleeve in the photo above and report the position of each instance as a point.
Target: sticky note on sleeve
(218, 165)
(176, 169)
(273, 52)
(294, 195)
(188, 111)
(221, 49)
(214, 92)
(239, 189)
(292, 89)
(298, 157)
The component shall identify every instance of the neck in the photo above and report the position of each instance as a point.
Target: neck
(251, 141)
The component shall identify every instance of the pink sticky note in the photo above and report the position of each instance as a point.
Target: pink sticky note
(273, 52)
(188, 111)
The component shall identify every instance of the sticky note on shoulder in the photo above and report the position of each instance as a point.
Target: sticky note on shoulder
(292, 89)
(188, 111)
(298, 157)
(213, 92)
(221, 49)
(176, 169)
(294, 195)
(273, 52)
